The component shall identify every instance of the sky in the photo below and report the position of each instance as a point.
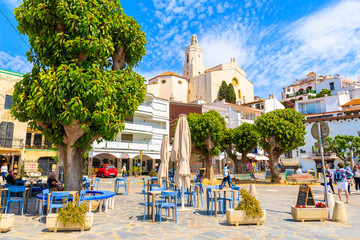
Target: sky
(274, 41)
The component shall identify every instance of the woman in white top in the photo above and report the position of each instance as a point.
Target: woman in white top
(4, 170)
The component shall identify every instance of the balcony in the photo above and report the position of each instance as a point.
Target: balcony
(128, 145)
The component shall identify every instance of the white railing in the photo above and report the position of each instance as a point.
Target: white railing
(134, 145)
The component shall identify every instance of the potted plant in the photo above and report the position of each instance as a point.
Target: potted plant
(248, 211)
(136, 171)
(6, 221)
(153, 173)
(303, 212)
(93, 172)
(71, 217)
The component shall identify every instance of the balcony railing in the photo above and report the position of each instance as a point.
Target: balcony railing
(128, 145)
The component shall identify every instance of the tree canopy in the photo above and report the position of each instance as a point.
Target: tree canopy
(245, 138)
(344, 146)
(82, 83)
(323, 92)
(222, 91)
(280, 130)
(231, 96)
(207, 132)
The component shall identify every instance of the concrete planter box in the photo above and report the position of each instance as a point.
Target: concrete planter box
(309, 214)
(52, 224)
(236, 217)
(6, 222)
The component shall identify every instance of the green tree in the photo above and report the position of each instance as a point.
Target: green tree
(280, 130)
(82, 83)
(207, 133)
(323, 92)
(223, 90)
(245, 139)
(345, 147)
(231, 96)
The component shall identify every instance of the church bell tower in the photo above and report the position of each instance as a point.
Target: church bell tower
(194, 62)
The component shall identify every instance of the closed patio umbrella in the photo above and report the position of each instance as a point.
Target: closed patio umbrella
(180, 153)
(164, 157)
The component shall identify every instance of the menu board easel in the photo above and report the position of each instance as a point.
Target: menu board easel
(305, 196)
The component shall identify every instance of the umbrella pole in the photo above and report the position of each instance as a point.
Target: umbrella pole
(182, 198)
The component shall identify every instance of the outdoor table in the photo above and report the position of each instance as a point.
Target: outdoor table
(26, 198)
(224, 190)
(153, 194)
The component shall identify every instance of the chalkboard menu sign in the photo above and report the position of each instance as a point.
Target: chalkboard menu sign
(305, 196)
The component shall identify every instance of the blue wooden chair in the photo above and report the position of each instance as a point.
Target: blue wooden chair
(238, 195)
(144, 184)
(45, 193)
(12, 191)
(3, 197)
(159, 189)
(166, 203)
(211, 198)
(96, 184)
(120, 183)
(148, 204)
(82, 196)
(201, 191)
(87, 186)
(19, 182)
(58, 200)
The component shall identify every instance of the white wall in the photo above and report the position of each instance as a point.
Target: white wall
(272, 104)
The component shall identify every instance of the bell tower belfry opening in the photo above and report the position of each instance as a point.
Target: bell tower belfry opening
(194, 62)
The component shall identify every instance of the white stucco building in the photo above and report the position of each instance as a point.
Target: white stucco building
(266, 105)
(143, 132)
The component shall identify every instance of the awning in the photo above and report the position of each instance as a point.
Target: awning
(261, 158)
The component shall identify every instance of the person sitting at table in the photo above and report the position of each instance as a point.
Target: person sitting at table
(53, 183)
(10, 178)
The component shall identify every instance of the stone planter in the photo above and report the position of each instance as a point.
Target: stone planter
(236, 217)
(6, 222)
(52, 224)
(309, 214)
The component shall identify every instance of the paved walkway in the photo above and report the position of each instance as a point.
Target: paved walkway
(125, 221)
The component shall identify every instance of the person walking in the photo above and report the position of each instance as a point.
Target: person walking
(225, 175)
(357, 178)
(341, 177)
(350, 182)
(229, 176)
(329, 173)
(123, 171)
(4, 170)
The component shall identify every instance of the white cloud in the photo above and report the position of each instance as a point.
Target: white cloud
(14, 63)
(11, 4)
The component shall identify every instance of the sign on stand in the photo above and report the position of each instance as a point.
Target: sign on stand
(305, 196)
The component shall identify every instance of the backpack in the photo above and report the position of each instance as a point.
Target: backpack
(339, 176)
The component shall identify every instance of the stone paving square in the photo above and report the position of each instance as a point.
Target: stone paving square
(125, 220)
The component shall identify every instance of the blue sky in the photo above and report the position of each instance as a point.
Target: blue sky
(274, 41)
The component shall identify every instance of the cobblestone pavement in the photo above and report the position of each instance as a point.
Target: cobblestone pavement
(125, 220)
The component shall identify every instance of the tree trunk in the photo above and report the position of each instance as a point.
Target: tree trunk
(240, 163)
(273, 161)
(209, 168)
(73, 163)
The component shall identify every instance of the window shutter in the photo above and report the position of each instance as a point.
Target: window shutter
(2, 133)
(9, 134)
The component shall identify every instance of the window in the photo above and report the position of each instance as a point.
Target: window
(47, 143)
(239, 94)
(332, 87)
(6, 134)
(28, 139)
(235, 82)
(8, 102)
(288, 89)
(288, 154)
(163, 81)
(127, 137)
(37, 140)
(179, 82)
(187, 58)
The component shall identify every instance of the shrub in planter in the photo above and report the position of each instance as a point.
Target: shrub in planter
(70, 217)
(136, 170)
(6, 221)
(248, 211)
(153, 173)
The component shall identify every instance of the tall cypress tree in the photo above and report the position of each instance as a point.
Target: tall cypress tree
(223, 91)
(231, 96)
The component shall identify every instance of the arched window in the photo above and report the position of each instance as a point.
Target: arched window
(239, 94)
(163, 81)
(235, 82)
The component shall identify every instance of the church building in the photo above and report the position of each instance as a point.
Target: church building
(199, 83)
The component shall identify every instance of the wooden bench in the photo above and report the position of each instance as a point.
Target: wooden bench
(245, 177)
(301, 178)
